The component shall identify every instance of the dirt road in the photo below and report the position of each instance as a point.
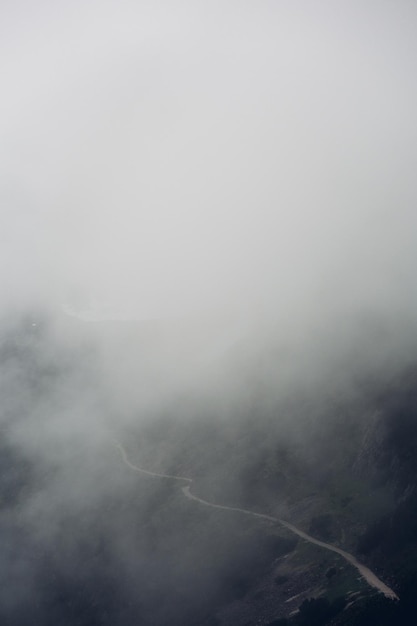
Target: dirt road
(371, 578)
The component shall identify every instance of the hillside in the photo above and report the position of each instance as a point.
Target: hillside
(86, 540)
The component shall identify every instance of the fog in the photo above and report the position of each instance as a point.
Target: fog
(206, 207)
(164, 159)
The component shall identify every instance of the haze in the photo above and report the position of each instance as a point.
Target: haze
(207, 255)
(167, 159)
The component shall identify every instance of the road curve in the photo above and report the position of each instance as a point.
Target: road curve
(371, 578)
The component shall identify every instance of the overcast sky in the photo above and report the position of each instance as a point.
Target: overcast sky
(166, 158)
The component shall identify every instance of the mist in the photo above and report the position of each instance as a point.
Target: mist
(161, 161)
(208, 240)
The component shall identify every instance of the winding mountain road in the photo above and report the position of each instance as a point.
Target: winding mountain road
(371, 578)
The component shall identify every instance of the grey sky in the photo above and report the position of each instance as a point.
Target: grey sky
(161, 158)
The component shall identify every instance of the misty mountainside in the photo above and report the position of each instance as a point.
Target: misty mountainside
(208, 330)
(86, 539)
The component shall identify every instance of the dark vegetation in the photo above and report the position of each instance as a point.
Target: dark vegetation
(313, 612)
(321, 526)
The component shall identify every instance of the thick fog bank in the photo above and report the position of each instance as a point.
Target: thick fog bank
(162, 160)
(208, 253)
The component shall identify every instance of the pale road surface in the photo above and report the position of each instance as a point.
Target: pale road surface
(371, 578)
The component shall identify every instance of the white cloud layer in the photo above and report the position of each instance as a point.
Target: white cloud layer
(164, 158)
